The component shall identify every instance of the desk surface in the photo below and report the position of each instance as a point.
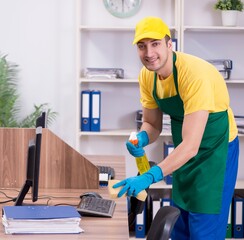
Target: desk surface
(95, 228)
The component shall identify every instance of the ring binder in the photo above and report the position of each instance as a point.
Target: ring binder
(237, 217)
(95, 110)
(85, 110)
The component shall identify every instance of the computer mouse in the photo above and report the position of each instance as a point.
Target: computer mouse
(90, 194)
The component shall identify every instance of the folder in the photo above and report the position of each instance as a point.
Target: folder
(85, 110)
(140, 227)
(95, 110)
(174, 44)
(168, 148)
(166, 202)
(40, 212)
(237, 217)
(229, 224)
(156, 205)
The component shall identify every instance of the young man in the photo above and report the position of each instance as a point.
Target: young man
(205, 159)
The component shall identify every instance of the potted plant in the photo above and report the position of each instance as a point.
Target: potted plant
(9, 107)
(229, 11)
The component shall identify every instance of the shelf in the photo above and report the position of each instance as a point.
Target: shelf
(163, 185)
(99, 80)
(130, 80)
(97, 45)
(213, 28)
(121, 132)
(124, 132)
(239, 184)
(231, 81)
(115, 132)
(120, 29)
(102, 29)
(109, 132)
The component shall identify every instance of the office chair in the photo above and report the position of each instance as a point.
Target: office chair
(163, 223)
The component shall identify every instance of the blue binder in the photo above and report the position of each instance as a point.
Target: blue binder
(168, 148)
(95, 110)
(85, 110)
(166, 202)
(156, 205)
(140, 226)
(39, 212)
(237, 217)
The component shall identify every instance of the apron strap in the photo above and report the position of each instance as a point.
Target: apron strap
(175, 73)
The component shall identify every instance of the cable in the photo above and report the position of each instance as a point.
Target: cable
(48, 197)
(65, 204)
(11, 199)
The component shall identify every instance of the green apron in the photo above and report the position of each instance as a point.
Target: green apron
(198, 184)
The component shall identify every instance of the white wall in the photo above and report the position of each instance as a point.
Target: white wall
(39, 36)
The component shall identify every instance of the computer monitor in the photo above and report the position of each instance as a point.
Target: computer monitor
(29, 173)
(33, 164)
(42, 120)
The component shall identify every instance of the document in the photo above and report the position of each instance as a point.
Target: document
(41, 219)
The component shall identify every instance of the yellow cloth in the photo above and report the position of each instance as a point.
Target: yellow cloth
(201, 87)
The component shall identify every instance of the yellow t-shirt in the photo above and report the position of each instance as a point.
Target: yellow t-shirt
(200, 85)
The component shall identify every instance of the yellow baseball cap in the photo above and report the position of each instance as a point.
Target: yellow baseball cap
(151, 27)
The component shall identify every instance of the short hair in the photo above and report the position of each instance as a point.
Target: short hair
(167, 38)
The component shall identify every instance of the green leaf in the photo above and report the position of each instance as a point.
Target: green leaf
(9, 96)
(229, 5)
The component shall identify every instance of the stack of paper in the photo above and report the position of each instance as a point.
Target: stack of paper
(41, 219)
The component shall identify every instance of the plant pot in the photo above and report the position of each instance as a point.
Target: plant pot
(229, 18)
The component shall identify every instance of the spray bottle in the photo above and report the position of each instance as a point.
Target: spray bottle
(141, 162)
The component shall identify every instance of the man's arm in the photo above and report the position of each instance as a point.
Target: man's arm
(152, 123)
(193, 128)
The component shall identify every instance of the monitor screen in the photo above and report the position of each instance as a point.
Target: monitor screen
(42, 120)
(33, 164)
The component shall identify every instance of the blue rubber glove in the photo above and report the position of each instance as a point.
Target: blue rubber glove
(133, 185)
(143, 140)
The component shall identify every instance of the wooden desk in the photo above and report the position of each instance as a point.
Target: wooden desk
(95, 228)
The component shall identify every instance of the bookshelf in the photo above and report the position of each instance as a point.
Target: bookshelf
(103, 42)
(203, 35)
(197, 28)
(106, 41)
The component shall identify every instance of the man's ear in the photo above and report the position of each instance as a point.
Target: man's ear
(170, 44)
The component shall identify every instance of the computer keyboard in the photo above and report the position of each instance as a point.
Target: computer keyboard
(97, 207)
